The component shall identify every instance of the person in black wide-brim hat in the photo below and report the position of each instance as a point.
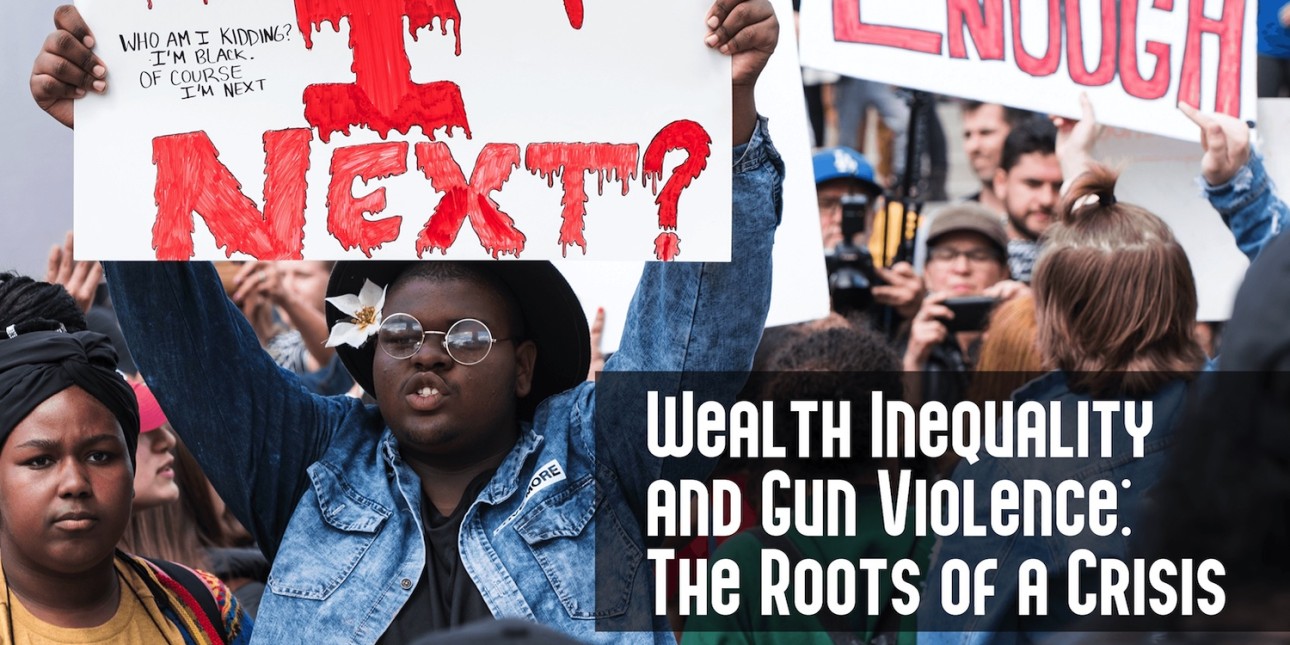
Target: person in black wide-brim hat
(552, 318)
(490, 480)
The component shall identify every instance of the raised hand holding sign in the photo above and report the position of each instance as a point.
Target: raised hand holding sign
(311, 111)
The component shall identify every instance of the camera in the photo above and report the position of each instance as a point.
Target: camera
(850, 267)
(970, 313)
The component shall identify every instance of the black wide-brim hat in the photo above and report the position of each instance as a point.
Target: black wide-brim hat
(553, 320)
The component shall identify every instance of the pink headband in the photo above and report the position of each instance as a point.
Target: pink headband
(150, 415)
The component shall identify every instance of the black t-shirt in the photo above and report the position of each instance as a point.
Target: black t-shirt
(445, 596)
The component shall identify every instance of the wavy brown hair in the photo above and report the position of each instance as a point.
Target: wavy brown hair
(1114, 293)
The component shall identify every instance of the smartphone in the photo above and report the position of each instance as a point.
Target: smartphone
(970, 312)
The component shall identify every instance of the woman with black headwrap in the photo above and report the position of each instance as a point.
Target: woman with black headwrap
(68, 430)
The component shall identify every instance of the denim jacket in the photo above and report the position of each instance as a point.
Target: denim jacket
(1249, 206)
(322, 486)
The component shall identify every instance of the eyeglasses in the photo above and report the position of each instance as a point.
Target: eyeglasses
(830, 203)
(467, 341)
(835, 202)
(976, 256)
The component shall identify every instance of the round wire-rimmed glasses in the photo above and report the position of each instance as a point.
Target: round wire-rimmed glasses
(468, 341)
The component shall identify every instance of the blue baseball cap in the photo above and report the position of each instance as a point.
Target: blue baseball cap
(844, 163)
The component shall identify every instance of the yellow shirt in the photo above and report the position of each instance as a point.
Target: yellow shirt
(137, 620)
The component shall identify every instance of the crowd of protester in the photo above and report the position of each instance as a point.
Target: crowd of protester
(337, 451)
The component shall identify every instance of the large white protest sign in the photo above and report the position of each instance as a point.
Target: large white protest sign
(1274, 134)
(1160, 174)
(1137, 59)
(332, 129)
(799, 290)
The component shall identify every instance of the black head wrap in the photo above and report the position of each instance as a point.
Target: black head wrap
(37, 365)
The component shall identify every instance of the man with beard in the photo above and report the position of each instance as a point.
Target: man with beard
(1029, 184)
(985, 126)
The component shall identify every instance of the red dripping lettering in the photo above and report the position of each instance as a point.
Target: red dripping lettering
(574, 9)
(345, 213)
(383, 98)
(191, 179)
(496, 229)
(677, 135)
(571, 162)
(667, 246)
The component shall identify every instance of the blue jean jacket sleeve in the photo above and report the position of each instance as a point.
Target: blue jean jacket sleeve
(253, 426)
(688, 319)
(1250, 207)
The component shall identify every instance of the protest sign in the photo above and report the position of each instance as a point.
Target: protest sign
(1136, 59)
(1160, 174)
(1274, 134)
(799, 289)
(345, 129)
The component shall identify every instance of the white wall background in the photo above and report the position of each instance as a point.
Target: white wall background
(35, 151)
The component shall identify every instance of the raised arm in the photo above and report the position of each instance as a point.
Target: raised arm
(1075, 141)
(1250, 207)
(1233, 176)
(252, 425)
(268, 280)
(709, 316)
(1236, 183)
(689, 320)
(690, 317)
(66, 68)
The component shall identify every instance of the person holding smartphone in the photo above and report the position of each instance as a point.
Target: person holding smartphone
(965, 273)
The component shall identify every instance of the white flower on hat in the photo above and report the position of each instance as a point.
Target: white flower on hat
(364, 310)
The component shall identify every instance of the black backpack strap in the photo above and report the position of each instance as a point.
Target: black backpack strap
(198, 590)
